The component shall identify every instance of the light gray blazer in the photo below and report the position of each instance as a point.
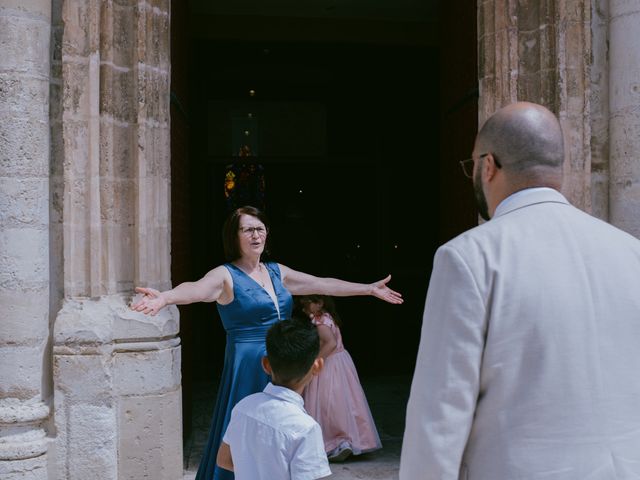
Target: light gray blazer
(529, 358)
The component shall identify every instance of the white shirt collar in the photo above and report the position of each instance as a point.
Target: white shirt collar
(284, 393)
(506, 204)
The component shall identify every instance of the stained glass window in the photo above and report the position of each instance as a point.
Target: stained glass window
(244, 185)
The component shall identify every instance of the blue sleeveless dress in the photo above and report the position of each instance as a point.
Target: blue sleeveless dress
(246, 320)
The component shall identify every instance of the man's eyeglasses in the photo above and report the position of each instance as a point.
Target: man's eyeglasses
(467, 164)
(248, 231)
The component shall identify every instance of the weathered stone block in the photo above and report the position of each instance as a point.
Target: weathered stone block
(24, 146)
(84, 378)
(619, 8)
(154, 158)
(547, 41)
(572, 11)
(529, 88)
(121, 257)
(99, 321)
(549, 94)
(93, 436)
(21, 370)
(121, 46)
(117, 95)
(162, 5)
(33, 8)
(575, 46)
(76, 149)
(529, 53)
(80, 20)
(28, 469)
(24, 259)
(116, 149)
(145, 47)
(528, 12)
(131, 325)
(24, 202)
(77, 89)
(116, 198)
(25, 44)
(151, 437)
(149, 372)
(125, 3)
(25, 318)
(24, 96)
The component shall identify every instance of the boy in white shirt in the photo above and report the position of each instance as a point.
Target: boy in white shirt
(270, 435)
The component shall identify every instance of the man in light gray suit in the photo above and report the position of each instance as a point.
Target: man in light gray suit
(529, 358)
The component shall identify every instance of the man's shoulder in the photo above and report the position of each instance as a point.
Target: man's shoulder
(476, 235)
(524, 224)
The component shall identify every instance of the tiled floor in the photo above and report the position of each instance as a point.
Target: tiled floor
(387, 396)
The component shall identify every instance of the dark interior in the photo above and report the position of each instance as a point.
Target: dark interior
(357, 139)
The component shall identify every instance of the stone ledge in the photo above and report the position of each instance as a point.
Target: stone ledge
(108, 319)
(14, 410)
(19, 443)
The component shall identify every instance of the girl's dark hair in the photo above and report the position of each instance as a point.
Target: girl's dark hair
(328, 305)
(292, 346)
(231, 227)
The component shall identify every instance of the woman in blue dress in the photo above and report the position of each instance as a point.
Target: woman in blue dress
(251, 295)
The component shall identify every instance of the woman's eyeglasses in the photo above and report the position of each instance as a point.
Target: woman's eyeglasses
(248, 231)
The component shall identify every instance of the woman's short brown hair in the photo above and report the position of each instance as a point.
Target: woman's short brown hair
(230, 235)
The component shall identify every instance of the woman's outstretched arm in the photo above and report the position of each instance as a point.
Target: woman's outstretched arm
(215, 285)
(300, 283)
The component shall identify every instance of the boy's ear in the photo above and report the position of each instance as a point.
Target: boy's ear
(318, 365)
(266, 366)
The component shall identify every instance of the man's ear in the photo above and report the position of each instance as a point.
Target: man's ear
(489, 167)
(318, 365)
(266, 366)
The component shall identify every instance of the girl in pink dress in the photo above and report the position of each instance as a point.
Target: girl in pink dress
(335, 397)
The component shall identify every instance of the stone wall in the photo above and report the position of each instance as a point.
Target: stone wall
(24, 236)
(540, 51)
(624, 115)
(582, 60)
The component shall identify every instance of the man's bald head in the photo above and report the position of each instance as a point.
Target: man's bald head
(526, 138)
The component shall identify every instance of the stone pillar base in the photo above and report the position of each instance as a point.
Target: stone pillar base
(117, 392)
(23, 441)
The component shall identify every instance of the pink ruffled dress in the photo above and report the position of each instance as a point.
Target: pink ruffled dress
(337, 402)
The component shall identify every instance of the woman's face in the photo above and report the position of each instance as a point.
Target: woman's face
(252, 234)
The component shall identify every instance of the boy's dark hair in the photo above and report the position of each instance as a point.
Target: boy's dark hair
(292, 346)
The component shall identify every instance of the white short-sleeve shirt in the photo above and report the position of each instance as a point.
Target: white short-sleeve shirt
(272, 437)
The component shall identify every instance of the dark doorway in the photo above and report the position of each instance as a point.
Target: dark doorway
(357, 125)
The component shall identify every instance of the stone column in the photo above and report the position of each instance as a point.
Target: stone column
(624, 115)
(24, 235)
(116, 372)
(539, 51)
